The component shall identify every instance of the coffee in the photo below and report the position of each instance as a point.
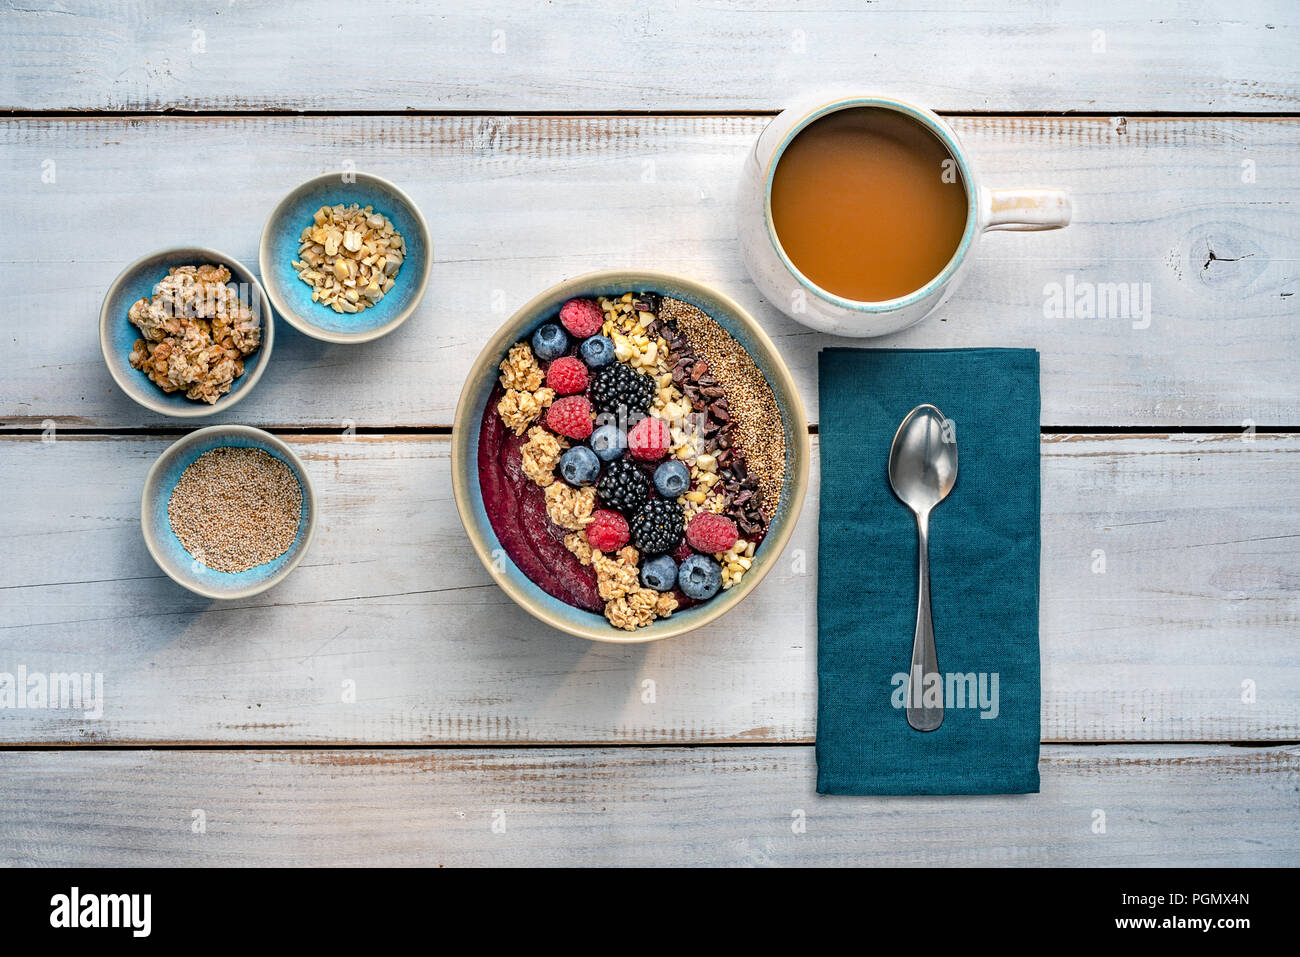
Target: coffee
(868, 204)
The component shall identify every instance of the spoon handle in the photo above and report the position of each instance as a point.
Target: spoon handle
(924, 659)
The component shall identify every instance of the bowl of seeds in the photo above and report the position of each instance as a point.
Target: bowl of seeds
(346, 257)
(228, 511)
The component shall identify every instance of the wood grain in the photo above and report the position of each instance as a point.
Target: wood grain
(1162, 805)
(1170, 597)
(1200, 536)
(518, 203)
(589, 55)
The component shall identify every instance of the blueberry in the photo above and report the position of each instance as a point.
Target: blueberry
(659, 573)
(672, 478)
(608, 442)
(597, 352)
(579, 466)
(700, 577)
(550, 342)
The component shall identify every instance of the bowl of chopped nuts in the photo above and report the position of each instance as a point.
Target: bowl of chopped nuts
(346, 257)
(228, 511)
(629, 456)
(186, 331)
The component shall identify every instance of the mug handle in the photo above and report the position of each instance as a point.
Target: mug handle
(1025, 209)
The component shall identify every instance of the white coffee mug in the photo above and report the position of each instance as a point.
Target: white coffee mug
(806, 302)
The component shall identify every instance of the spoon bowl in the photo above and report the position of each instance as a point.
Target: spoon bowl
(923, 459)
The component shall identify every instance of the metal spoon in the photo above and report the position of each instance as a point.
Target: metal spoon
(922, 471)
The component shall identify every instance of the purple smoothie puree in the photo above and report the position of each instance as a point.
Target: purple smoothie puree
(516, 507)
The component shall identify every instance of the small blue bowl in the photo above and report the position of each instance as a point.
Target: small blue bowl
(117, 334)
(292, 297)
(167, 550)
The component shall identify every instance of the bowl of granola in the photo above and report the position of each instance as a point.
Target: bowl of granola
(629, 455)
(346, 257)
(186, 331)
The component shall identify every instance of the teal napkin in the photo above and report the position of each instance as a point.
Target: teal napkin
(984, 542)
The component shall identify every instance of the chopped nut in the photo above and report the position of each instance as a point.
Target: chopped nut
(349, 256)
(735, 562)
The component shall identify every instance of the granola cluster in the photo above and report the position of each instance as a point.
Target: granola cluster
(616, 576)
(520, 369)
(577, 543)
(197, 332)
(568, 507)
(640, 608)
(628, 605)
(525, 397)
(541, 454)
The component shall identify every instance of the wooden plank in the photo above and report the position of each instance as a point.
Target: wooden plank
(1166, 805)
(518, 203)
(1200, 535)
(588, 55)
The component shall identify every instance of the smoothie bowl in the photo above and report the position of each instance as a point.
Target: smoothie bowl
(629, 456)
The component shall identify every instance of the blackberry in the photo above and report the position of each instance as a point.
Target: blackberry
(623, 486)
(619, 386)
(657, 528)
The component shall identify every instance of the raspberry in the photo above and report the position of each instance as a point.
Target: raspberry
(570, 417)
(711, 533)
(582, 317)
(649, 439)
(608, 531)
(567, 375)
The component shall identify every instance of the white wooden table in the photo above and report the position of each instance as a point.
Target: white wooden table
(546, 139)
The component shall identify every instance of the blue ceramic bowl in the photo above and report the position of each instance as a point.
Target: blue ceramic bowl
(292, 297)
(483, 377)
(166, 548)
(117, 335)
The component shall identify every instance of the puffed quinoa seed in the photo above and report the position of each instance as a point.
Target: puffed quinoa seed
(236, 508)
